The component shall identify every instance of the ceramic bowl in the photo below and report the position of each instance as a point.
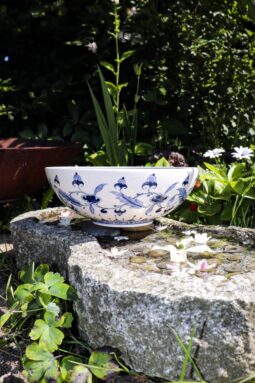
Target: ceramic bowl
(122, 196)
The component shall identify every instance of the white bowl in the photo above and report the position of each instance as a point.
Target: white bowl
(122, 196)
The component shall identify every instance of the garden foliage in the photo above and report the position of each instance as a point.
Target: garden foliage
(198, 72)
(37, 309)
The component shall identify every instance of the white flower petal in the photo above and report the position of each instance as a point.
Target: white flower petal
(200, 249)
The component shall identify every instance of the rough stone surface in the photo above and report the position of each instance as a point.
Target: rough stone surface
(136, 310)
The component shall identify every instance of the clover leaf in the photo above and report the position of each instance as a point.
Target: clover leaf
(40, 365)
(46, 331)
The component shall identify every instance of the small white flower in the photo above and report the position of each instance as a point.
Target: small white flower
(202, 266)
(160, 227)
(178, 255)
(124, 36)
(132, 11)
(200, 249)
(184, 243)
(115, 252)
(201, 239)
(242, 153)
(92, 47)
(117, 2)
(121, 238)
(214, 153)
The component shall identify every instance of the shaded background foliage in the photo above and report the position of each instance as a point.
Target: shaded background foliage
(197, 83)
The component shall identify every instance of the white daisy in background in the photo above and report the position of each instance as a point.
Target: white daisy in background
(115, 252)
(92, 47)
(214, 153)
(242, 153)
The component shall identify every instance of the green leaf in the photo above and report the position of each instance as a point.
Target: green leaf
(27, 274)
(37, 353)
(237, 186)
(51, 279)
(63, 291)
(162, 163)
(112, 89)
(4, 318)
(79, 374)
(53, 285)
(67, 365)
(68, 320)
(126, 55)
(98, 159)
(112, 124)
(104, 130)
(47, 197)
(40, 364)
(102, 365)
(23, 293)
(47, 332)
(236, 171)
(40, 272)
(53, 308)
(108, 66)
(217, 170)
(143, 149)
(210, 208)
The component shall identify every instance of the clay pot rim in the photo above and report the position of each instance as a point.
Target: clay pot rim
(23, 145)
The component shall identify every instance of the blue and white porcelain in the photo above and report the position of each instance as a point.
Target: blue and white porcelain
(122, 196)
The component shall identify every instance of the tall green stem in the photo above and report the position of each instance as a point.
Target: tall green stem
(117, 73)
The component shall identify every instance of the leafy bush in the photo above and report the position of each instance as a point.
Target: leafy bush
(225, 194)
(198, 77)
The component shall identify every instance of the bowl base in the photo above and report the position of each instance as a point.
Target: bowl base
(124, 225)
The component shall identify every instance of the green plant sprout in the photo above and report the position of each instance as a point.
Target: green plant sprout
(118, 126)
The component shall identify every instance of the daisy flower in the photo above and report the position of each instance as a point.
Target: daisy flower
(214, 153)
(242, 153)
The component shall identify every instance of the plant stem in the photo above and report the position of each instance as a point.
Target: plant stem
(117, 73)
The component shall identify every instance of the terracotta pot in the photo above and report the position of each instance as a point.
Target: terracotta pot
(22, 164)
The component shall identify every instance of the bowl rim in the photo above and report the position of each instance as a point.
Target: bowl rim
(120, 168)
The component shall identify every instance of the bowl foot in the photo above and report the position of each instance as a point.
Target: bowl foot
(123, 225)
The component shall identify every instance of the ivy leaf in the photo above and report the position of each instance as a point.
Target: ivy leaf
(102, 365)
(40, 364)
(47, 332)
